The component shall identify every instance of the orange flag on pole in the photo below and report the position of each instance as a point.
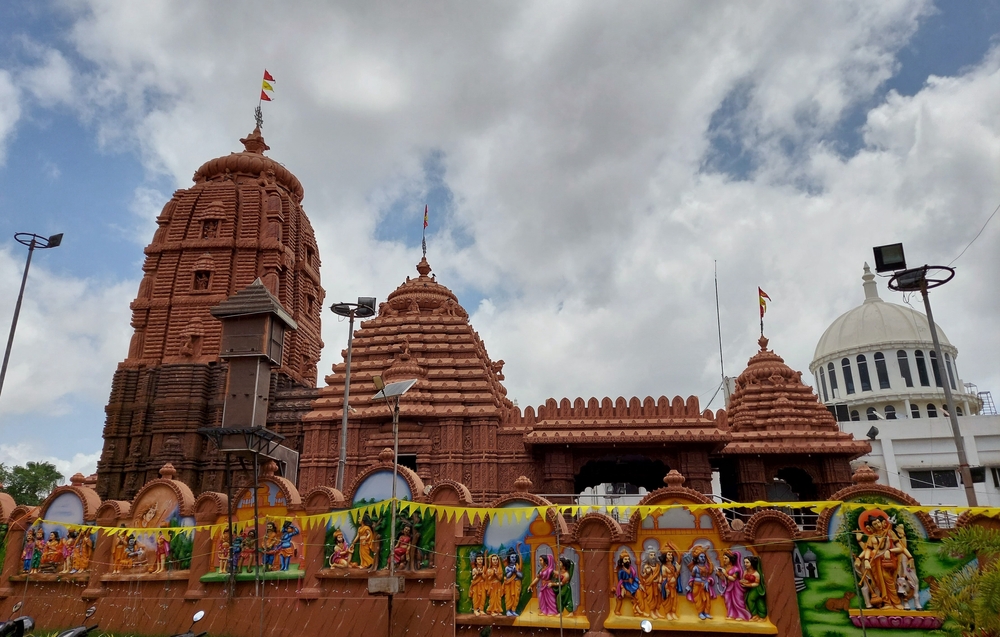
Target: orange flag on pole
(267, 76)
(761, 294)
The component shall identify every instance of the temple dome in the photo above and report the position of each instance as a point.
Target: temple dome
(876, 324)
(251, 161)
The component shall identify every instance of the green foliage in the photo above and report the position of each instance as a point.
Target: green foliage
(181, 546)
(31, 483)
(970, 597)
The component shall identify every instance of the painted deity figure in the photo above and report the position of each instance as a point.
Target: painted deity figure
(285, 548)
(235, 550)
(133, 550)
(543, 586)
(36, 558)
(404, 544)
(494, 585)
(249, 550)
(162, 551)
(753, 584)
(28, 554)
(52, 558)
(628, 580)
(564, 590)
(669, 582)
(415, 556)
(118, 558)
(365, 540)
(513, 575)
(223, 551)
(884, 560)
(269, 545)
(734, 595)
(479, 586)
(83, 550)
(66, 550)
(701, 586)
(341, 555)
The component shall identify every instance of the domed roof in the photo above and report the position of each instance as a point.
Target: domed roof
(251, 162)
(876, 324)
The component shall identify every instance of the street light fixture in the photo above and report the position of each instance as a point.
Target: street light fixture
(364, 308)
(922, 279)
(32, 241)
(393, 391)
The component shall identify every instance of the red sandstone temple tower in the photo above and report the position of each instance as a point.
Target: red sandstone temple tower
(241, 220)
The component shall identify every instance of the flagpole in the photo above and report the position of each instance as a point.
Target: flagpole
(423, 233)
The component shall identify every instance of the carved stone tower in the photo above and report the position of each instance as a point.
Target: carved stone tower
(241, 220)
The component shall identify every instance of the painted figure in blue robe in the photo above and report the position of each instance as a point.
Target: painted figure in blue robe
(285, 548)
(628, 580)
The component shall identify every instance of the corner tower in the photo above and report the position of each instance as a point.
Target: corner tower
(242, 219)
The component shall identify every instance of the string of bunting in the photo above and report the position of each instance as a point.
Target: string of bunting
(477, 515)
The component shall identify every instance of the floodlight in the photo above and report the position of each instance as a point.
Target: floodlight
(872, 433)
(889, 258)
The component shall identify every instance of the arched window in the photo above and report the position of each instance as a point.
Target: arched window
(822, 384)
(931, 410)
(922, 369)
(935, 369)
(883, 373)
(904, 367)
(890, 412)
(958, 410)
(855, 416)
(872, 414)
(951, 374)
(914, 410)
(848, 376)
(834, 392)
(866, 383)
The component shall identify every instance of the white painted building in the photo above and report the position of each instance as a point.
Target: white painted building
(876, 366)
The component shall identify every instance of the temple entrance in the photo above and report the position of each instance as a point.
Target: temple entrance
(792, 484)
(625, 474)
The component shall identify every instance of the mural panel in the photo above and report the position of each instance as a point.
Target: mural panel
(681, 575)
(520, 576)
(166, 547)
(50, 546)
(362, 543)
(282, 550)
(877, 567)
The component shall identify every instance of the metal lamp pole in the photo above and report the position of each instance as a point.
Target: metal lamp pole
(364, 308)
(32, 241)
(913, 280)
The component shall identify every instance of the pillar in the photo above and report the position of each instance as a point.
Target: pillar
(20, 520)
(772, 537)
(595, 555)
(209, 507)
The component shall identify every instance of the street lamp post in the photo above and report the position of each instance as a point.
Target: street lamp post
(32, 241)
(364, 308)
(394, 391)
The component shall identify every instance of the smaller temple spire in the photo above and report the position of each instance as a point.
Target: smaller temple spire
(871, 288)
(254, 142)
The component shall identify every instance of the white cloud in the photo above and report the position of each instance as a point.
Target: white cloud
(22, 453)
(51, 81)
(10, 111)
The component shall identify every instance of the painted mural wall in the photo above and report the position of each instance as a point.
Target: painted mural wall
(58, 542)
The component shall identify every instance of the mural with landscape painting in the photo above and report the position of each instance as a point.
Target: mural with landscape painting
(521, 575)
(50, 546)
(166, 547)
(681, 575)
(281, 546)
(362, 541)
(878, 566)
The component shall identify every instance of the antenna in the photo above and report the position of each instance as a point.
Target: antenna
(718, 320)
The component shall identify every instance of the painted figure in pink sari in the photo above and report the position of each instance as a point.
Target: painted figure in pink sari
(543, 586)
(734, 595)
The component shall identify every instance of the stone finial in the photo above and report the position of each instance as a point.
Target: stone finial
(762, 341)
(254, 142)
(864, 475)
(78, 480)
(673, 479)
(269, 469)
(522, 484)
(168, 472)
(423, 267)
(386, 455)
(871, 288)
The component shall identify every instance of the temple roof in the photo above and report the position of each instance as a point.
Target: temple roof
(772, 411)
(251, 161)
(420, 332)
(253, 299)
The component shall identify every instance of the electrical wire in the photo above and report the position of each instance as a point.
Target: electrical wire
(975, 237)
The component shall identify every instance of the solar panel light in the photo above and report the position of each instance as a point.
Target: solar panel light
(889, 258)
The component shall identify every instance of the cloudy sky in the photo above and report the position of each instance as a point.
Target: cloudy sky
(586, 164)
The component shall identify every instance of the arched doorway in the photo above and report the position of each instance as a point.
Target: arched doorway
(627, 473)
(791, 484)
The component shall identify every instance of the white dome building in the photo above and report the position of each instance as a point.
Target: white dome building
(877, 361)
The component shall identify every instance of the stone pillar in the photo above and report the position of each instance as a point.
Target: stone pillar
(836, 471)
(595, 553)
(320, 500)
(111, 514)
(446, 532)
(697, 470)
(557, 473)
(209, 507)
(772, 534)
(752, 479)
(20, 520)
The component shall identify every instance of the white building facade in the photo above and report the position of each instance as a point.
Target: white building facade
(876, 366)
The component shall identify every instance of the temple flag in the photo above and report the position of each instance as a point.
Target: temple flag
(264, 97)
(763, 304)
(267, 87)
(267, 76)
(425, 215)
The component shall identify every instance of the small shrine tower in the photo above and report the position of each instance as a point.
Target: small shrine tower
(242, 220)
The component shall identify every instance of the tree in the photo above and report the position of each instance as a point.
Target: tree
(31, 483)
(969, 597)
